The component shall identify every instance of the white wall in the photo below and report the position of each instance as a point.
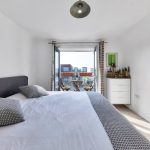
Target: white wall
(21, 54)
(136, 45)
(15, 47)
(133, 48)
(42, 62)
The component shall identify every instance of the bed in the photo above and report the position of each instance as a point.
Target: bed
(67, 121)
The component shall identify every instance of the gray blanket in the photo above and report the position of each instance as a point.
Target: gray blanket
(122, 134)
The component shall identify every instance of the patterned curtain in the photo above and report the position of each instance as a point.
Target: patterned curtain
(101, 64)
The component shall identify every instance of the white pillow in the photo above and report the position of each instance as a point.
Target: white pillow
(18, 96)
(33, 91)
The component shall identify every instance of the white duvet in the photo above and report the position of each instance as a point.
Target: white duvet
(65, 121)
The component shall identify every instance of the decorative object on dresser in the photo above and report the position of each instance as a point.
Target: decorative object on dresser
(113, 72)
(118, 73)
(118, 90)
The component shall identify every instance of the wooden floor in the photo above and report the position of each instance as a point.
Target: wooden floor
(139, 123)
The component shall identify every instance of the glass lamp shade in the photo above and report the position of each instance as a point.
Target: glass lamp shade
(80, 9)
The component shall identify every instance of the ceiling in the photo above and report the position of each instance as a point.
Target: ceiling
(51, 18)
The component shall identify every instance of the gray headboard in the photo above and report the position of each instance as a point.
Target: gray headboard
(9, 85)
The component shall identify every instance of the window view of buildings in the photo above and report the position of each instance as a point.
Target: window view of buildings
(77, 70)
(70, 74)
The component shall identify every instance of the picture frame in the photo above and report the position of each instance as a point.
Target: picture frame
(111, 58)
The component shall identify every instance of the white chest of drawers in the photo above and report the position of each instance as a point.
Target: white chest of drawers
(118, 90)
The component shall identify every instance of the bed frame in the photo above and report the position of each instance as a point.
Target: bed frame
(9, 85)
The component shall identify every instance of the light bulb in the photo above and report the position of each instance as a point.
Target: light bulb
(79, 11)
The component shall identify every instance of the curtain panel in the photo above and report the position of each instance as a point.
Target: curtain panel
(101, 65)
(52, 65)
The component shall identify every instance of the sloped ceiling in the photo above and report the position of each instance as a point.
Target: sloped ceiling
(51, 18)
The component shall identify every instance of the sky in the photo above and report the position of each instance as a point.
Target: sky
(78, 59)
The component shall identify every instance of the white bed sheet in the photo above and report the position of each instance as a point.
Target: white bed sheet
(60, 121)
(18, 96)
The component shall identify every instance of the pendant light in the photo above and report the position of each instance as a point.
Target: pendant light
(80, 9)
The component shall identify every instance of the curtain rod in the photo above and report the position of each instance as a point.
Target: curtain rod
(54, 42)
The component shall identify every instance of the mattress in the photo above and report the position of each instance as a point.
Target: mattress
(64, 121)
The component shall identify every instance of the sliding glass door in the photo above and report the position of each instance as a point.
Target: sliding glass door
(75, 69)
